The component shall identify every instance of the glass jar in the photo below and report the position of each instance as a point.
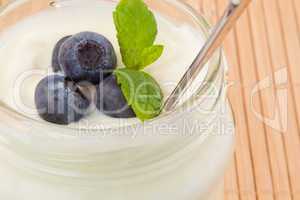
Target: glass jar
(179, 155)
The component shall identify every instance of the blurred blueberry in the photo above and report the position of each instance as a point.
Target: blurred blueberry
(55, 65)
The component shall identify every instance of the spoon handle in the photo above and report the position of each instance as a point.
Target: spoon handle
(233, 11)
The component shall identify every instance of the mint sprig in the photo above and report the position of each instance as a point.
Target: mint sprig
(136, 31)
(141, 92)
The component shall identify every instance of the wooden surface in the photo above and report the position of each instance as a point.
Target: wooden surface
(264, 52)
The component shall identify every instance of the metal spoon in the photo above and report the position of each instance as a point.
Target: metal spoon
(220, 31)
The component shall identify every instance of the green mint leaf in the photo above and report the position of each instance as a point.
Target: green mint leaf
(150, 55)
(136, 31)
(141, 91)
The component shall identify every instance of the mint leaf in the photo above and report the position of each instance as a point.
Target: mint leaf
(150, 54)
(136, 31)
(141, 91)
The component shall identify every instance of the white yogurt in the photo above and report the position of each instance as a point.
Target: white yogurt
(29, 46)
(191, 173)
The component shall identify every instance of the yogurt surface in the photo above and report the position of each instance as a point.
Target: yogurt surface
(26, 50)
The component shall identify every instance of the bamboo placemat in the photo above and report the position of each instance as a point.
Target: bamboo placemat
(264, 55)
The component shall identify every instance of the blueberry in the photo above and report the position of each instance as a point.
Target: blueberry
(111, 101)
(59, 100)
(55, 65)
(87, 56)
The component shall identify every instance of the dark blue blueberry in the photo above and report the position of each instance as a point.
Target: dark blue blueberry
(111, 101)
(55, 64)
(87, 56)
(59, 100)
